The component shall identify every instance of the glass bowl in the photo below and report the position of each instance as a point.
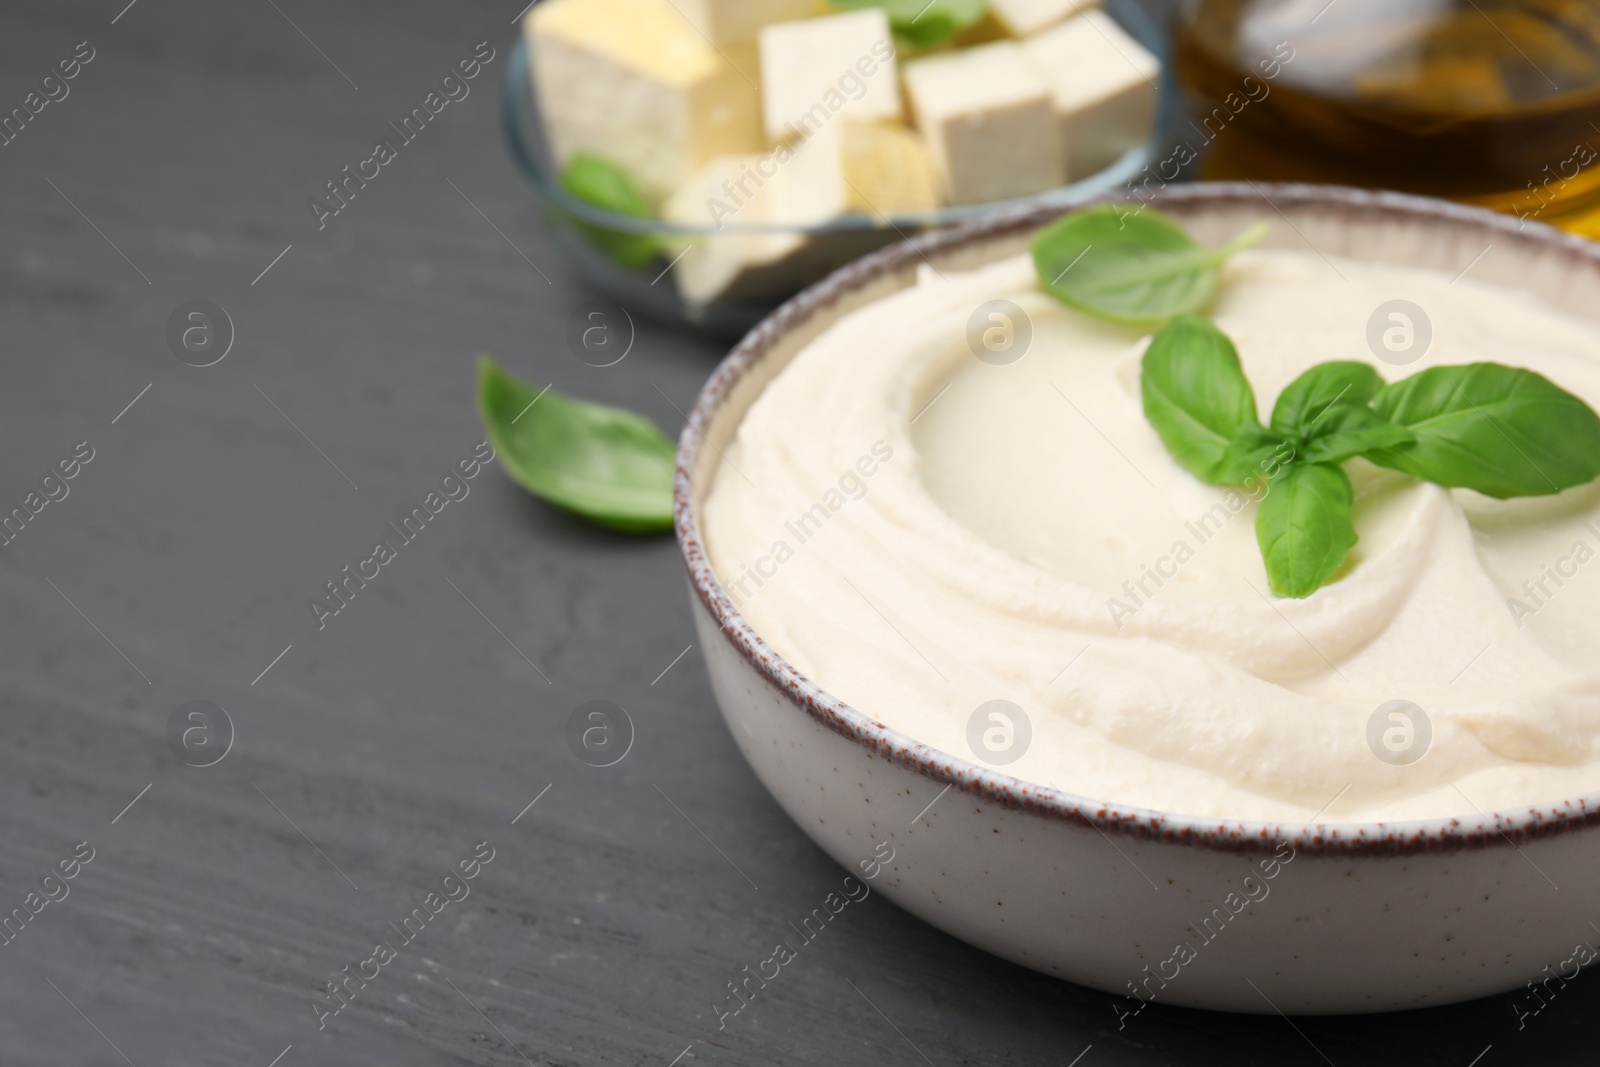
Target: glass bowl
(838, 241)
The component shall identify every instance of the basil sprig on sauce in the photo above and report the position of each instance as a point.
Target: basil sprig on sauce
(608, 465)
(1132, 267)
(924, 22)
(1502, 431)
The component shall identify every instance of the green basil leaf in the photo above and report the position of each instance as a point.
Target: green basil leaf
(1129, 267)
(1343, 431)
(924, 22)
(1503, 431)
(605, 185)
(1305, 400)
(1196, 395)
(1255, 453)
(1304, 527)
(608, 465)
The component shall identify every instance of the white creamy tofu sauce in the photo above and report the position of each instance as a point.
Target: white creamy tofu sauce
(921, 533)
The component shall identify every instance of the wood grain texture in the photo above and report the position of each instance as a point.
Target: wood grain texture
(409, 728)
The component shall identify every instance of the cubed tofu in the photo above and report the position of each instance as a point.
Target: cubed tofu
(853, 167)
(1103, 87)
(633, 82)
(738, 21)
(818, 69)
(728, 193)
(1022, 17)
(797, 187)
(886, 168)
(989, 121)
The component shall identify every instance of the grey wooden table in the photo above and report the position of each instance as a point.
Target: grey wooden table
(371, 756)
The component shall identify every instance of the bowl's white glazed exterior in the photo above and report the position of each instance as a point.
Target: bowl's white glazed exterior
(1145, 905)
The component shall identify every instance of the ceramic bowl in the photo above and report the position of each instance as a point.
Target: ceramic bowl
(1150, 905)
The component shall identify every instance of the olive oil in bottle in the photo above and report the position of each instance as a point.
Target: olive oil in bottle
(1491, 102)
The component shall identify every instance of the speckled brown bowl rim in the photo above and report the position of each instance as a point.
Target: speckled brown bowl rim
(1500, 829)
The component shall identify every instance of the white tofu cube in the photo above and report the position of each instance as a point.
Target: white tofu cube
(852, 167)
(729, 192)
(886, 168)
(787, 186)
(1103, 86)
(632, 81)
(1022, 17)
(817, 69)
(738, 21)
(989, 120)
